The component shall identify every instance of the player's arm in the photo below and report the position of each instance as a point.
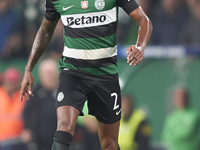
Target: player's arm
(136, 52)
(40, 44)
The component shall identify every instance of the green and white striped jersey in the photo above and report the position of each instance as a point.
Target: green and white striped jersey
(89, 32)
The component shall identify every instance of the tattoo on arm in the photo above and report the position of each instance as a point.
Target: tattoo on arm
(41, 42)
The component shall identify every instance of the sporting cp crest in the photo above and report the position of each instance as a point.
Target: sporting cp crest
(60, 96)
(99, 4)
(84, 4)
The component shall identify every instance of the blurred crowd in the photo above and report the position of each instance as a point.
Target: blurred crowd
(176, 22)
(19, 22)
(30, 125)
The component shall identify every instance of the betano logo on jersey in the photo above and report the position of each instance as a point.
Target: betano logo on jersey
(85, 20)
(90, 19)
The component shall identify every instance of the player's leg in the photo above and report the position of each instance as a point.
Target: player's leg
(104, 102)
(70, 100)
(66, 122)
(108, 135)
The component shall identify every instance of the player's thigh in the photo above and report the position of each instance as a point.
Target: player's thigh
(67, 118)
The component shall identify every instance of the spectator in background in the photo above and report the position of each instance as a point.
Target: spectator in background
(33, 11)
(10, 23)
(135, 131)
(13, 46)
(190, 34)
(168, 22)
(182, 129)
(39, 113)
(11, 122)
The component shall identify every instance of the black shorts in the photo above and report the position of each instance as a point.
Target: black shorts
(103, 96)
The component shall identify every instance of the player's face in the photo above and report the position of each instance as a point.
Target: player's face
(190, 3)
(49, 75)
(197, 10)
(179, 99)
(12, 87)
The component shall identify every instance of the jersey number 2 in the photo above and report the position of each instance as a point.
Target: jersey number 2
(115, 104)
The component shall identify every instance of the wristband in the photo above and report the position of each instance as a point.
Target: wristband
(138, 47)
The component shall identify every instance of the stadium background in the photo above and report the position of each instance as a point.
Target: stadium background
(166, 65)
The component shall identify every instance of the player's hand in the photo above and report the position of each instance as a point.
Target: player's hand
(26, 85)
(135, 55)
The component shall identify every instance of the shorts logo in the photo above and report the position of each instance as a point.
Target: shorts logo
(118, 112)
(99, 4)
(84, 4)
(60, 96)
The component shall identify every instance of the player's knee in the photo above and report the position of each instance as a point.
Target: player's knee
(109, 144)
(65, 126)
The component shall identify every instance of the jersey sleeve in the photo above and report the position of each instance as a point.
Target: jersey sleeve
(128, 5)
(51, 13)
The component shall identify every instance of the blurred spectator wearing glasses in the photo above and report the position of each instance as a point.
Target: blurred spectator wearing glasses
(182, 127)
(11, 122)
